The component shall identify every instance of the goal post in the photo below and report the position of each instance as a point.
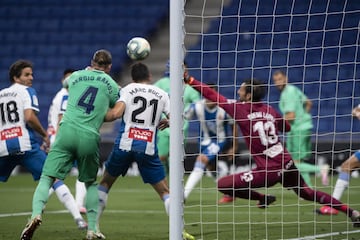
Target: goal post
(316, 44)
(176, 221)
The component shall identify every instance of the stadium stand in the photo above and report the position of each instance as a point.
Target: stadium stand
(62, 34)
(255, 46)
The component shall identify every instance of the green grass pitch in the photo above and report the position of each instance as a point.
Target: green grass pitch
(134, 211)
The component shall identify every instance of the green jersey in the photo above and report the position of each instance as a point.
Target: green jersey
(190, 94)
(91, 93)
(292, 99)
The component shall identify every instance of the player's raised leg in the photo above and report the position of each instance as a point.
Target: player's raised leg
(67, 199)
(293, 180)
(239, 185)
(342, 182)
(80, 193)
(196, 174)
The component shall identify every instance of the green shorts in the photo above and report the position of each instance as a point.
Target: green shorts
(298, 143)
(73, 144)
(163, 140)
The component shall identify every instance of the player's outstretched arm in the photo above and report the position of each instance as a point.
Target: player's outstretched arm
(116, 112)
(211, 94)
(33, 121)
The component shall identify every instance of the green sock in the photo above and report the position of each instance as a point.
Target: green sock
(92, 204)
(306, 167)
(41, 195)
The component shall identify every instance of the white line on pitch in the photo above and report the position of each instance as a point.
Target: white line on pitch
(5, 215)
(326, 235)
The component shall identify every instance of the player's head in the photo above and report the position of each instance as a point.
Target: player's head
(102, 60)
(210, 104)
(140, 73)
(21, 72)
(280, 79)
(252, 90)
(67, 73)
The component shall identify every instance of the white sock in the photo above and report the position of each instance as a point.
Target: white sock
(103, 197)
(341, 184)
(80, 193)
(194, 178)
(51, 191)
(166, 200)
(66, 198)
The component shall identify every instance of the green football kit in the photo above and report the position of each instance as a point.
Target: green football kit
(190, 96)
(298, 140)
(91, 93)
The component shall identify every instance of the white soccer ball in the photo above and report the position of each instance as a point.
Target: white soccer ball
(138, 48)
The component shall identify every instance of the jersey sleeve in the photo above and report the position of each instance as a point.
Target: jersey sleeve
(30, 99)
(63, 104)
(123, 95)
(167, 105)
(214, 96)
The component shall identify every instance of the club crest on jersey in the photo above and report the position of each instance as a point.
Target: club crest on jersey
(141, 134)
(11, 133)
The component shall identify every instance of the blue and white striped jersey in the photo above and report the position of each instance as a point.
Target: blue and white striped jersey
(15, 135)
(58, 106)
(213, 122)
(144, 106)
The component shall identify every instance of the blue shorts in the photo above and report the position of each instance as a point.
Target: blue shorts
(212, 150)
(150, 167)
(32, 160)
(357, 155)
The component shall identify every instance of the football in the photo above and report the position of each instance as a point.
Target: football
(138, 48)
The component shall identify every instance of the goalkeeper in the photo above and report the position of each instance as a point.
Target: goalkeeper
(295, 107)
(163, 137)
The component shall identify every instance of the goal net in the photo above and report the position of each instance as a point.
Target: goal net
(316, 44)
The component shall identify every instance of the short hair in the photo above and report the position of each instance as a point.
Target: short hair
(139, 72)
(280, 71)
(102, 57)
(256, 88)
(16, 68)
(68, 70)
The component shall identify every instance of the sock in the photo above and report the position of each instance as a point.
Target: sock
(80, 192)
(308, 168)
(166, 199)
(341, 184)
(41, 195)
(64, 195)
(92, 205)
(103, 197)
(51, 191)
(325, 199)
(194, 178)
